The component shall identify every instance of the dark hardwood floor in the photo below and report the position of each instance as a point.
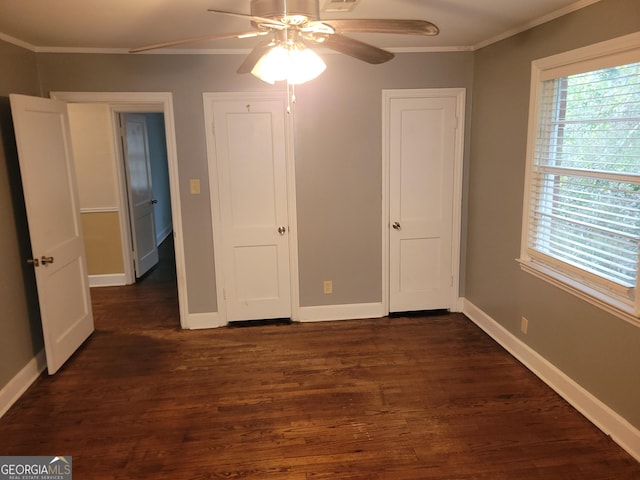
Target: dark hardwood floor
(401, 399)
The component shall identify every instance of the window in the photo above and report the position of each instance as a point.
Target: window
(581, 227)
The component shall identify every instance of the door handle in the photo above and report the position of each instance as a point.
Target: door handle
(42, 260)
(396, 226)
(282, 230)
(154, 201)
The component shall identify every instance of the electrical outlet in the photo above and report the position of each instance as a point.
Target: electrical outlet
(194, 186)
(327, 287)
(524, 325)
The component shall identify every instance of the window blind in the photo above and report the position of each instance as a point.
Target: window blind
(585, 182)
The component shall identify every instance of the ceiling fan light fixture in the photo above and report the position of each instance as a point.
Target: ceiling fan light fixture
(272, 66)
(295, 63)
(304, 65)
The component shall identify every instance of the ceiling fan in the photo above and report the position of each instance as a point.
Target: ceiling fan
(296, 25)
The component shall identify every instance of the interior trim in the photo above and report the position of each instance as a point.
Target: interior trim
(19, 384)
(107, 280)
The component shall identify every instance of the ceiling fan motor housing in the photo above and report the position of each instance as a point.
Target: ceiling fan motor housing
(287, 11)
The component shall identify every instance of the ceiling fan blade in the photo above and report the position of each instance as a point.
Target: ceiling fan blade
(253, 18)
(255, 55)
(403, 27)
(354, 48)
(203, 38)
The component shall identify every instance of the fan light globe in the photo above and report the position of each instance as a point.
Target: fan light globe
(296, 64)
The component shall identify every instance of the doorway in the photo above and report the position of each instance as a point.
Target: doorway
(160, 103)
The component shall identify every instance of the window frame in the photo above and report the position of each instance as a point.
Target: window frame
(615, 299)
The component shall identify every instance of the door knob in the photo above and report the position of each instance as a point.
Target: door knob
(282, 230)
(46, 260)
(33, 261)
(154, 201)
(396, 226)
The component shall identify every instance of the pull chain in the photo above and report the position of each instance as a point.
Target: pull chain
(291, 96)
(291, 88)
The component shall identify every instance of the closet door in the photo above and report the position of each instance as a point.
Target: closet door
(422, 139)
(251, 182)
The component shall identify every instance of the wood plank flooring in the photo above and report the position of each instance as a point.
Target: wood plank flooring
(404, 399)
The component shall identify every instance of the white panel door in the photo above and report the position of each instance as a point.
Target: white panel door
(250, 151)
(140, 195)
(53, 213)
(421, 186)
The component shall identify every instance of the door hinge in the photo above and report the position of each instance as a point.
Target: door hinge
(121, 125)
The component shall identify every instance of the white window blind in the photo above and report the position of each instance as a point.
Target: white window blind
(584, 181)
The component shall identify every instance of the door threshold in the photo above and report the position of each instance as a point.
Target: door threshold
(420, 313)
(259, 323)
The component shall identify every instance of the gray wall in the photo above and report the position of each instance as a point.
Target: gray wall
(599, 351)
(339, 169)
(338, 156)
(20, 332)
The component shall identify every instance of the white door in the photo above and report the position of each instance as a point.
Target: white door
(51, 199)
(140, 195)
(422, 140)
(250, 167)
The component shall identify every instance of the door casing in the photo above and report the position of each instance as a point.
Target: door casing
(460, 95)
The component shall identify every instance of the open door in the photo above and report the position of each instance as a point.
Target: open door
(140, 195)
(48, 179)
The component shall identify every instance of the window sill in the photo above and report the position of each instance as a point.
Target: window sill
(608, 302)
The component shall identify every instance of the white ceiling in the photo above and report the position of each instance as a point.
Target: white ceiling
(116, 25)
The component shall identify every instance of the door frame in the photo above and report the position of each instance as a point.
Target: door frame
(147, 102)
(387, 96)
(216, 215)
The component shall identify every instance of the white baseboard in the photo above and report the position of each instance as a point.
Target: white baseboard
(111, 280)
(601, 415)
(324, 313)
(161, 236)
(200, 321)
(23, 380)
(458, 305)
